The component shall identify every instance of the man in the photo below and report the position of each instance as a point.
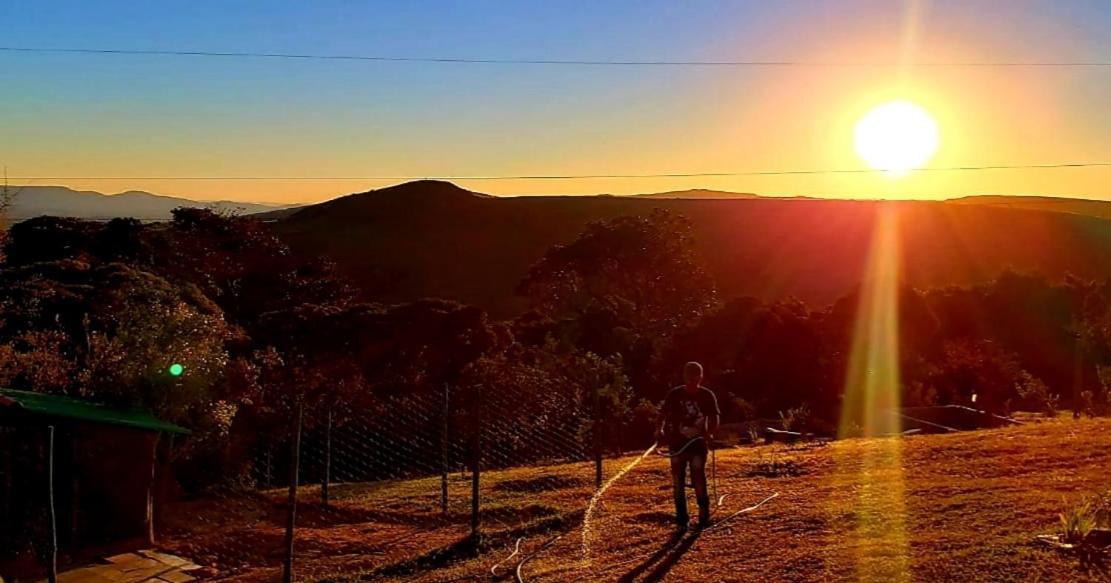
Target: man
(688, 418)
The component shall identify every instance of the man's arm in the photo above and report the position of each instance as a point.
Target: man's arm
(661, 419)
(712, 423)
(713, 419)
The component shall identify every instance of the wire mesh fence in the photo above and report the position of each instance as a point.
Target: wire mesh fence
(396, 486)
(438, 484)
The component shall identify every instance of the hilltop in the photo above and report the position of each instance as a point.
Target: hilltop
(699, 193)
(435, 239)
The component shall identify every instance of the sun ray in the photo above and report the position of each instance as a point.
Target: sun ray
(871, 401)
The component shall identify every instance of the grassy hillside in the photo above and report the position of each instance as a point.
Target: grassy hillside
(435, 239)
(1079, 206)
(958, 507)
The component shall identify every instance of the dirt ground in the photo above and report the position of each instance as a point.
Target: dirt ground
(957, 507)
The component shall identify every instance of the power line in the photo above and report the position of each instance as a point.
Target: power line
(573, 62)
(580, 176)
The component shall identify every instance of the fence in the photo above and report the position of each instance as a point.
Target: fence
(434, 484)
(412, 481)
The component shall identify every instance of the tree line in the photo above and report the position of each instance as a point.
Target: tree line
(101, 310)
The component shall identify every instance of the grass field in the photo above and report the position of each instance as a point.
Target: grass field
(957, 507)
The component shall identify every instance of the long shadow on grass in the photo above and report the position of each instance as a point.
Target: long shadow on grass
(659, 563)
(470, 547)
(316, 515)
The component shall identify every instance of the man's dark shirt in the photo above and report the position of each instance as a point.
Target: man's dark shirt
(684, 410)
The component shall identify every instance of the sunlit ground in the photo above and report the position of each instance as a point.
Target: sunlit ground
(974, 501)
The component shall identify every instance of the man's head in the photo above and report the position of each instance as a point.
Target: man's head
(692, 375)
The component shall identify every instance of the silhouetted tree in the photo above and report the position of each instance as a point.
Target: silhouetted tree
(981, 368)
(242, 265)
(49, 239)
(624, 286)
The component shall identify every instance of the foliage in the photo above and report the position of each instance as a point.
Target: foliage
(100, 310)
(796, 418)
(563, 395)
(1036, 395)
(110, 333)
(624, 286)
(978, 368)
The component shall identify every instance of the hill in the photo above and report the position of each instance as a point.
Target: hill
(1092, 208)
(33, 201)
(432, 238)
(956, 507)
(698, 193)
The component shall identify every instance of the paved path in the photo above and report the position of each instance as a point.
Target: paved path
(140, 567)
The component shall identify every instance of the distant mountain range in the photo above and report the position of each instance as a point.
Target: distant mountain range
(33, 201)
(434, 239)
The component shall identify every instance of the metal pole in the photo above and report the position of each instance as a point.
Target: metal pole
(596, 438)
(294, 463)
(476, 455)
(444, 448)
(327, 458)
(52, 567)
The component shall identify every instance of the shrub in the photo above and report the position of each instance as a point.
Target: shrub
(1077, 521)
(1035, 394)
(796, 418)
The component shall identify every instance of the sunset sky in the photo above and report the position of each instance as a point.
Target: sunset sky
(82, 115)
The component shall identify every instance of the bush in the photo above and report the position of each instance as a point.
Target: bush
(796, 418)
(1036, 396)
(1077, 522)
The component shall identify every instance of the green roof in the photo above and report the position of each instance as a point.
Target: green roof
(70, 408)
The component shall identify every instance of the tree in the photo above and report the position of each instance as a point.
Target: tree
(310, 364)
(1094, 345)
(562, 403)
(980, 372)
(623, 286)
(642, 269)
(47, 238)
(113, 332)
(243, 266)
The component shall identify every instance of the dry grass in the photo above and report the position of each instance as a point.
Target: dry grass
(959, 507)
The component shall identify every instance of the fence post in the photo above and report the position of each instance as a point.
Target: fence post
(291, 515)
(596, 439)
(476, 454)
(327, 458)
(52, 567)
(444, 448)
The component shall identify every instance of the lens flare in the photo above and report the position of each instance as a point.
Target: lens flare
(872, 468)
(176, 369)
(872, 384)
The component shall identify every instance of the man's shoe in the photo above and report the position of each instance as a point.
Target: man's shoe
(704, 521)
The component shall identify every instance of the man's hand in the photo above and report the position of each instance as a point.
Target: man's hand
(660, 435)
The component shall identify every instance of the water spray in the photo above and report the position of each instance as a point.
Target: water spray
(598, 495)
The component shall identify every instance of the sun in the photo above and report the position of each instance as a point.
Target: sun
(896, 137)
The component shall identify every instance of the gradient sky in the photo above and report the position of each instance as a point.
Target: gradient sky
(102, 115)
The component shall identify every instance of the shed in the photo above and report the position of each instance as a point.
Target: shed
(103, 462)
